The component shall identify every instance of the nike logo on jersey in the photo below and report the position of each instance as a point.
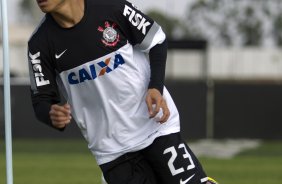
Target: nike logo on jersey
(187, 180)
(59, 55)
(37, 70)
(93, 71)
(136, 19)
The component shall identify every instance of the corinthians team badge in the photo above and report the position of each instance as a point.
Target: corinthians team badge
(110, 35)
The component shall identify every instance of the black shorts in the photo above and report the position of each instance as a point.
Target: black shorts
(168, 160)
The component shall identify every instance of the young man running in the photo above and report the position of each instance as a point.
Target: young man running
(108, 60)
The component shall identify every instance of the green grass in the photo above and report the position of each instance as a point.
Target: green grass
(70, 162)
(262, 165)
(52, 162)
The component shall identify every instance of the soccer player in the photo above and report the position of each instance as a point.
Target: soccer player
(108, 60)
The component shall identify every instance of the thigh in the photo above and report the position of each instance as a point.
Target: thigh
(173, 161)
(129, 169)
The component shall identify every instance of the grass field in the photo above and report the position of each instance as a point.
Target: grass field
(69, 162)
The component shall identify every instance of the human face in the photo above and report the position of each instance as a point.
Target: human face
(49, 6)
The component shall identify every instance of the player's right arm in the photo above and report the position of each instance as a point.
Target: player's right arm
(44, 89)
(60, 115)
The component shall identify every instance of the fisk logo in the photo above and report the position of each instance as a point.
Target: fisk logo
(37, 70)
(136, 19)
(93, 71)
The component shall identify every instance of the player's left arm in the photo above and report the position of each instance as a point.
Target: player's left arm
(157, 55)
(147, 36)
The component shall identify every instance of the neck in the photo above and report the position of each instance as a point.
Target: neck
(69, 13)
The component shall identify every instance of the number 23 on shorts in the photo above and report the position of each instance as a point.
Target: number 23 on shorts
(174, 154)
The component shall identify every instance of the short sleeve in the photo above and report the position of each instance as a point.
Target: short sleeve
(142, 31)
(42, 75)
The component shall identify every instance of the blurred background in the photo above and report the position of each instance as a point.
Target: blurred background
(224, 71)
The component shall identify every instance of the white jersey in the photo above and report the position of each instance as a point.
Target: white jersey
(101, 66)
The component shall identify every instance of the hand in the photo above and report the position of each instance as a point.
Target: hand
(60, 115)
(154, 98)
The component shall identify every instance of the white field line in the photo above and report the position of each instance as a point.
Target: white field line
(223, 149)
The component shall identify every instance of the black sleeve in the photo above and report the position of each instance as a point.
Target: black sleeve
(158, 56)
(44, 90)
(141, 31)
(133, 22)
(41, 110)
(147, 36)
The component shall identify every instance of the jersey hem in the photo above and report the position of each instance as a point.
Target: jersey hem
(143, 145)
